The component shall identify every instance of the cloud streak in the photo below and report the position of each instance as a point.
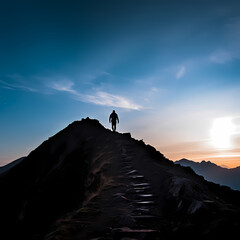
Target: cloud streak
(67, 86)
(99, 98)
(221, 56)
(181, 72)
(15, 85)
(63, 86)
(107, 99)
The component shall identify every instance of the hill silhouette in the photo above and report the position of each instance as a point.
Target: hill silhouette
(87, 182)
(10, 165)
(212, 172)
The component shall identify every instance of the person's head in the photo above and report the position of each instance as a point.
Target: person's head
(114, 111)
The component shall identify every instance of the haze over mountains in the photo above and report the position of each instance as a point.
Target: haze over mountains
(87, 182)
(214, 173)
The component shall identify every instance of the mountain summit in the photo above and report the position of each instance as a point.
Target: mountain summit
(87, 182)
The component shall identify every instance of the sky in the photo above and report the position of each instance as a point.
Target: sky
(170, 69)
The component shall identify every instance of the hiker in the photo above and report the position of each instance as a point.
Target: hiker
(114, 120)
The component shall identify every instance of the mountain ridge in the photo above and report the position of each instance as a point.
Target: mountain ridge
(212, 172)
(87, 182)
(10, 165)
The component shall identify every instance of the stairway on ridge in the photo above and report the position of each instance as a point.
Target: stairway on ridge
(140, 196)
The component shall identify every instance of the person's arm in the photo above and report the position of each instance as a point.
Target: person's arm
(110, 118)
(117, 119)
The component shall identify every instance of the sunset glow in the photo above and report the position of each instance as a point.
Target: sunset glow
(170, 69)
(221, 133)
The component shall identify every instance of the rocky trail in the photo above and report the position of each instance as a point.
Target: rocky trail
(125, 209)
(141, 198)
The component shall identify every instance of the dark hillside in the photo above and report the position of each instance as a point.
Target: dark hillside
(87, 182)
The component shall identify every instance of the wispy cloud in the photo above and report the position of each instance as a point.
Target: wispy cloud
(99, 98)
(221, 56)
(107, 99)
(181, 72)
(154, 89)
(63, 86)
(92, 77)
(16, 85)
(60, 84)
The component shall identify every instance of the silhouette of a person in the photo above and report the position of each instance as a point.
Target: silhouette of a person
(113, 118)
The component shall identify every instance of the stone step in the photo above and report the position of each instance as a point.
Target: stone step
(136, 198)
(142, 188)
(140, 202)
(142, 209)
(141, 193)
(137, 177)
(149, 195)
(119, 233)
(139, 190)
(131, 172)
(140, 184)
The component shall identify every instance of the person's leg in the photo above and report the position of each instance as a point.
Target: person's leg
(114, 127)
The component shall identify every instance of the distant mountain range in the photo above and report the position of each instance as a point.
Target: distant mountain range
(214, 173)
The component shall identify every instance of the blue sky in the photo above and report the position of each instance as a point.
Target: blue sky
(169, 68)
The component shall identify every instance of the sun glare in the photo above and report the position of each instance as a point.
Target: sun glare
(221, 133)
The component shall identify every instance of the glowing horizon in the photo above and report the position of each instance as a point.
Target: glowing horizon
(170, 70)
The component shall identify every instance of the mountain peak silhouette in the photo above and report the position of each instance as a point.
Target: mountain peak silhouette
(212, 172)
(87, 182)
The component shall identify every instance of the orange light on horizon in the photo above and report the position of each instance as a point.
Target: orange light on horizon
(229, 160)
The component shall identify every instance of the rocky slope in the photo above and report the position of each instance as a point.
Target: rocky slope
(87, 182)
